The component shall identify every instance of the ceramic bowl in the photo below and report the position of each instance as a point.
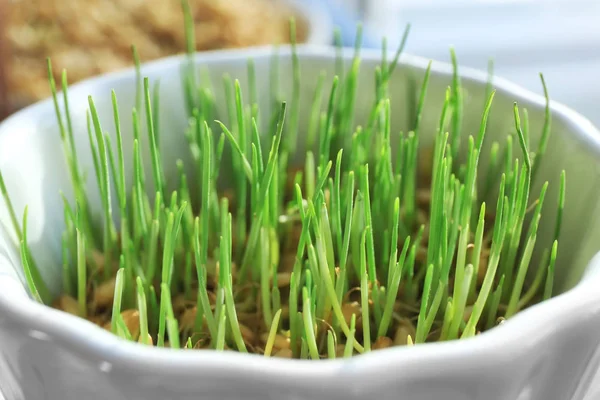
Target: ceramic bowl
(549, 351)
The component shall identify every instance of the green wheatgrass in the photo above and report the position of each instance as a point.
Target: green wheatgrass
(301, 261)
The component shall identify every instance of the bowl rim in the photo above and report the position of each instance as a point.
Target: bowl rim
(492, 346)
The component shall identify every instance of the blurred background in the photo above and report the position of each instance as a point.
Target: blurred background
(560, 38)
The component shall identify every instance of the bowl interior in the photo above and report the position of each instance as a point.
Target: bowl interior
(31, 156)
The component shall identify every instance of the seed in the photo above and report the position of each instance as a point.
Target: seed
(179, 304)
(348, 309)
(148, 340)
(99, 261)
(247, 317)
(132, 321)
(104, 293)
(283, 279)
(99, 320)
(188, 319)
(404, 331)
(212, 298)
(281, 342)
(248, 304)
(131, 318)
(67, 304)
(247, 334)
(202, 343)
(283, 353)
(382, 342)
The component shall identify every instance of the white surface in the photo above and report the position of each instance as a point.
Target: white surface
(560, 38)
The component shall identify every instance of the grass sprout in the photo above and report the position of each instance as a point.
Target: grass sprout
(359, 247)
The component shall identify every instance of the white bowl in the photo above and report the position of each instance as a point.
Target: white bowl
(547, 352)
